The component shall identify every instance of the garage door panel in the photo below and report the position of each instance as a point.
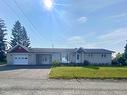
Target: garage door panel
(20, 59)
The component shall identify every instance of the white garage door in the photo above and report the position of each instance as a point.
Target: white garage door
(20, 59)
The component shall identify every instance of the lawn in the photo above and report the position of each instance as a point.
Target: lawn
(89, 72)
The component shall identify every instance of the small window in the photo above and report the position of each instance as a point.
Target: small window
(103, 55)
(45, 59)
(77, 56)
(25, 57)
(19, 47)
(90, 55)
(15, 57)
(64, 59)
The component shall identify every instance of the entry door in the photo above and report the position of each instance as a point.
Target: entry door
(46, 59)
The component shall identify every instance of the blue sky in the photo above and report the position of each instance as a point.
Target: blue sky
(70, 23)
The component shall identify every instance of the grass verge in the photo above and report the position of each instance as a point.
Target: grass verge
(91, 72)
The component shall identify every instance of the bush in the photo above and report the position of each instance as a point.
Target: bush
(56, 63)
(86, 63)
(119, 61)
(115, 62)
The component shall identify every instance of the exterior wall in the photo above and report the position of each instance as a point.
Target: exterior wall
(9, 58)
(56, 56)
(32, 59)
(72, 57)
(94, 59)
(97, 59)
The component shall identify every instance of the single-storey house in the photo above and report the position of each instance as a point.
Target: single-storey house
(20, 55)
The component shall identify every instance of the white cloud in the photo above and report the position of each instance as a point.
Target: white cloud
(119, 15)
(117, 35)
(79, 41)
(76, 40)
(82, 19)
(114, 40)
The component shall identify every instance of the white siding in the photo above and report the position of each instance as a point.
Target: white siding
(98, 59)
(56, 56)
(32, 59)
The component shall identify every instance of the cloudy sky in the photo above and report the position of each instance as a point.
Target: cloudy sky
(69, 23)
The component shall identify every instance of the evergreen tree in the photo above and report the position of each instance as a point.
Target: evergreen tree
(125, 52)
(25, 39)
(19, 35)
(2, 39)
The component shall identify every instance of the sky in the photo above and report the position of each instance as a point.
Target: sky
(69, 23)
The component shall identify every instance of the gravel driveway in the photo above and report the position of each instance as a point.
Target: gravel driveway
(34, 81)
(24, 72)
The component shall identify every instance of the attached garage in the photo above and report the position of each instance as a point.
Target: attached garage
(18, 55)
(20, 59)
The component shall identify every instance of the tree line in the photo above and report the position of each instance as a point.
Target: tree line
(19, 36)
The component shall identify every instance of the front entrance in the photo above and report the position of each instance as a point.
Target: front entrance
(43, 59)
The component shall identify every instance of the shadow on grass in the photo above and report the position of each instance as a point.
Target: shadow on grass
(91, 67)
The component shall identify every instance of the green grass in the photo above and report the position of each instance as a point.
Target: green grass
(92, 72)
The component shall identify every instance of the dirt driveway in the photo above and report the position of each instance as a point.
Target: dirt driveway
(24, 72)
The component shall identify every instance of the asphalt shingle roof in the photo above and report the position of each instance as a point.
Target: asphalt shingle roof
(37, 50)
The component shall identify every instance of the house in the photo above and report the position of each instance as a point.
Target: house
(20, 55)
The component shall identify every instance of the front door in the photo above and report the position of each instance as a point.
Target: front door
(46, 59)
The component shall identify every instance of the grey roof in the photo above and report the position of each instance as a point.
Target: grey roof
(37, 50)
(97, 51)
(49, 49)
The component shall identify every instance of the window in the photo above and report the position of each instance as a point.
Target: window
(15, 57)
(77, 56)
(45, 59)
(90, 55)
(20, 48)
(103, 55)
(64, 59)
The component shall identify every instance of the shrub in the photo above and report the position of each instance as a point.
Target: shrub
(115, 62)
(86, 63)
(56, 63)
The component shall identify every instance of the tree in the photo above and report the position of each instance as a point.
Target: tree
(119, 60)
(26, 41)
(125, 52)
(19, 35)
(2, 39)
